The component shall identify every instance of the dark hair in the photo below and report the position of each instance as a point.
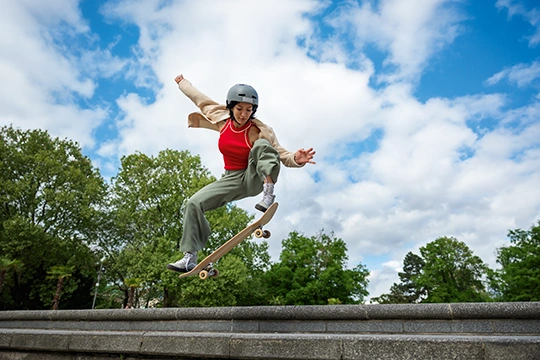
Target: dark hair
(232, 104)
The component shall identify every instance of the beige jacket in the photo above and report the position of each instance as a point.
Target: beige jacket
(212, 113)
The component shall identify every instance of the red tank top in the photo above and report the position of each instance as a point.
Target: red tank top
(235, 146)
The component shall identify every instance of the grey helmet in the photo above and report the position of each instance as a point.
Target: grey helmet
(243, 93)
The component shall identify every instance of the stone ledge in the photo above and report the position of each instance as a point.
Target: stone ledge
(455, 311)
(490, 331)
(274, 346)
(471, 327)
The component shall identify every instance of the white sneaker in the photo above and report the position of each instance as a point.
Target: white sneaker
(265, 203)
(187, 263)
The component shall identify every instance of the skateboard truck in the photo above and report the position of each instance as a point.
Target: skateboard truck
(260, 233)
(209, 271)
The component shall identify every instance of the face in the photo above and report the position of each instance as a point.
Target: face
(242, 112)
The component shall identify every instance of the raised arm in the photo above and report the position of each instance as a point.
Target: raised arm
(213, 110)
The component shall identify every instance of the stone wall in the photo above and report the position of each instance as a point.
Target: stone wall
(492, 331)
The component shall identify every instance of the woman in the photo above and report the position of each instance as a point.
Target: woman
(251, 154)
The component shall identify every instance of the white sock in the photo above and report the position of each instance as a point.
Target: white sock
(268, 188)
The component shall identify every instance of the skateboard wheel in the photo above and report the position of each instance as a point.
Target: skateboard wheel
(259, 233)
(266, 234)
(214, 273)
(203, 275)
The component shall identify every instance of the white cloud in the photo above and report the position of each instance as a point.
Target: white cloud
(521, 74)
(414, 187)
(45, 76)
(410, 31)
(516, 8)
(464, 167)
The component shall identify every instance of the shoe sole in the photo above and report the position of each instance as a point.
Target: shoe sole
(260, 208)
(177, 269)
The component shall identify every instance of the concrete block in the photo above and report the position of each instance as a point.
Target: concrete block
(201, 345)
(398, 347)
(163, 325)
(144, 314)
(204, 325)
(221, 313)
(284, 346)
(18, 324)
(57, 325)
(5, 338)
(121, 325)
(105, 341)
(292, 326)
(264, 313)
(514, 348)
(112, 314)
(472, 326)
(242, 326)
(22, 355)
(39, 340)
(427, 327)
(375, 326)
(517, 310)
(409, 311)
(517, 326)
(331, 312)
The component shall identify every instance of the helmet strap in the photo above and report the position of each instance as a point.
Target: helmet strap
(234, 119)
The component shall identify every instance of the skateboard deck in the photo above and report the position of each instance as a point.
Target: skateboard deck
(205, 269)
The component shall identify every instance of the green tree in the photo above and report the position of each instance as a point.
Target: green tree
(146, 220)
(224, 290)
(7, 265)
(407, 291)
(311, 271)
(60, 274)
(51, 199)
(519, 275)
(132, 284)
(451, 273)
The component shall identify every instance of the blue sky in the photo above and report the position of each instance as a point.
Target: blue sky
(424, 113)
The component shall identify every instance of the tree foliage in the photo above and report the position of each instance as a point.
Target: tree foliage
(6, 266)
(407, 291)
(519, 276)
(446, 271)
(50, 202)
(146, 212)
(60, 221)
(451, 272)
(312, 270)
(60, 274)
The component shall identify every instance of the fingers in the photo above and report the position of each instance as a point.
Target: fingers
(306, 156)
(310, 152)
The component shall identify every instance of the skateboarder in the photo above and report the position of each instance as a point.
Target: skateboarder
(251, 154)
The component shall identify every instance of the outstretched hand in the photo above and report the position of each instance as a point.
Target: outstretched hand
(304, 156)
(179, 78)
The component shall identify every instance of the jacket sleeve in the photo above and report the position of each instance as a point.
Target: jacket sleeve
(286, 157)
(213, 111)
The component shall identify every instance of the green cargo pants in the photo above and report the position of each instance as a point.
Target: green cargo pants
(234, 185)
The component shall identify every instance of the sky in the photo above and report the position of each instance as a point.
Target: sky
(424, 113)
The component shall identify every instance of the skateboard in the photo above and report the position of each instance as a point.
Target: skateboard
(205, 268)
